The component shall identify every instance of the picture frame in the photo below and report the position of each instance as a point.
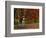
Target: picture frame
(11, 28)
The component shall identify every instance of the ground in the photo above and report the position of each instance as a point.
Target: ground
(27, 26)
